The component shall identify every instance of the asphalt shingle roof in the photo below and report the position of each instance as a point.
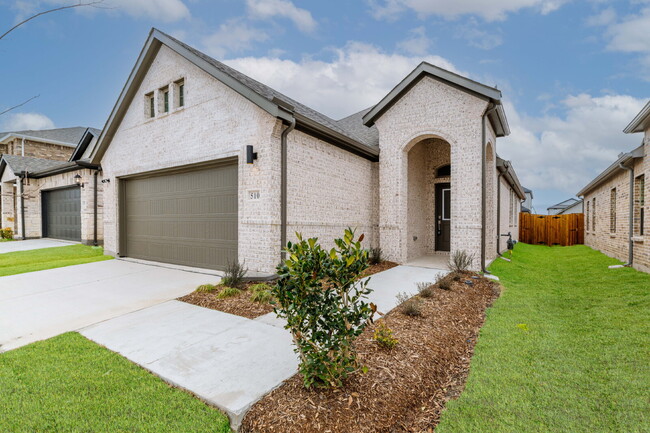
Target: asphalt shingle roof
(265, 91)
(65, 135)
(354, 124)
(19, 164)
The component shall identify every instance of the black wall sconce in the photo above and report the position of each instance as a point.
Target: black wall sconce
(250, 155)
(77, 180)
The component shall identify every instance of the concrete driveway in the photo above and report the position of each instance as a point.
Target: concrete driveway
(39, 305)
(32, 244)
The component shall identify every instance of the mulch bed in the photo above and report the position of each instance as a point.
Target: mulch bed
(405, 389)
(379, 267)
(240, 305)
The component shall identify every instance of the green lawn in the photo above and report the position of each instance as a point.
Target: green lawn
(48, 258)
(565, 349)
(70, 384)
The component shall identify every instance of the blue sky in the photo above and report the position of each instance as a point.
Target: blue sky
(573, 73)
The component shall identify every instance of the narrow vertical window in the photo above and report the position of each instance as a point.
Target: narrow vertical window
(587, 215)
(639, 204)
(612, 211)
(166, 100)
(181, 95)
(149, 108)
(593, 218)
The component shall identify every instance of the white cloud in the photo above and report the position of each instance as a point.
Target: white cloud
(358, 76)
(265, 9)
(632, 34)
(489, 10)
(233, 36)
(24, 121)
(161, 10)
(603, 18)
(478, 38)
(418, 44)
(565, 152)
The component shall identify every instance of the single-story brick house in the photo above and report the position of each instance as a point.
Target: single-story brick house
(614, 202)
(54, 192)
(204, 165)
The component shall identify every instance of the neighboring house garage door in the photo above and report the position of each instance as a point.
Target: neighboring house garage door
(62, 213)
(187, 218)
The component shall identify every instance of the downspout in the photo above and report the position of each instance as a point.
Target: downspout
(283, 186)
(22, 147)
(21, 193)
(501, 174)
(95, 208)
(490, 108)
(630, 247)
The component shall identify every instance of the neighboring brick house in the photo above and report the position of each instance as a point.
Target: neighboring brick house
(53, 198)
(204, 165)
(608, 199)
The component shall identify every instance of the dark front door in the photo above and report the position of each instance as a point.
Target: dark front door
(62, 213)
(443, 217)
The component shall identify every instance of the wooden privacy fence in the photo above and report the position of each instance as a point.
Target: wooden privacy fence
(550, 230)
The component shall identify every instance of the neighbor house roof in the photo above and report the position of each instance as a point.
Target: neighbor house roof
(26, 164)
(640, 122)
(270, 100)
(61, 136)
(565, 204)
(491, 94)
(612, 169)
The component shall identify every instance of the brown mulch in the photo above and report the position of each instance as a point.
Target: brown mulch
(379, 267)
(240, 305)
(405, 389)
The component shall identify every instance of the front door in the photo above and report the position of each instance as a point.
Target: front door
(443, 217)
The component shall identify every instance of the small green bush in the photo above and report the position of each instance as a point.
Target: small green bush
(409, 306)
(384, 336)
(374, 255)
(461, 261)
(206, 288)
(425, 289)
(324, 303)
(6, 233)
(233, 275)
(228, 292)
(261, 293)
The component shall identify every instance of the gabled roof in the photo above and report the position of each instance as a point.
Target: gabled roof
(268, 99)
(424, 69)
(61, 136)
(565, 204)
(508, 171)
(85, 140)
(612, 169)
(640, 122)
(26, 164)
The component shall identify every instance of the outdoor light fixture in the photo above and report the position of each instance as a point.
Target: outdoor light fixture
(77, 180)
(250, 155)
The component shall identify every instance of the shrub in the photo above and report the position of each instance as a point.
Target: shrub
(425, 289)
(444, 281)
(261, 293)
(461, 261)
(206, 288)
(374, 255)
(319, 295)
(409, 306)
(233, 275)
(228, 292)
(6, 233)
(384, 336)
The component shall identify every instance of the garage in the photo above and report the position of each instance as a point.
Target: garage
(186, 217)
(62, 213)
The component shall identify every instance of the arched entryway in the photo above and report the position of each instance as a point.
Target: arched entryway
(429, 201)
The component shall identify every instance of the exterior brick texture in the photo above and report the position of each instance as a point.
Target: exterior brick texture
(615, 243)
(329, 189)
(37, 149)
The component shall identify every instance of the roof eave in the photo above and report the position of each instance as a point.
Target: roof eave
(509, 173)
(640, 121)
(63, 168)
(605, 174)
(39, 139)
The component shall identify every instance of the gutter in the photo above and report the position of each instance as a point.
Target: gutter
(630, 247)
(21, 192)
(95, 208)
(63, 168)
(490, 108)
(283, 185)
(506, 165)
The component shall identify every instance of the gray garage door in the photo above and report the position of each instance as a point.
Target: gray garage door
(62, 214)
(187, 218)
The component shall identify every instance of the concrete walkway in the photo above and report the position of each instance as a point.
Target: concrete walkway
(39, 305)
(228, 361)
(32, 244)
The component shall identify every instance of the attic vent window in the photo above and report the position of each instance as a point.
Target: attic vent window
(149, 105)
(179, 93)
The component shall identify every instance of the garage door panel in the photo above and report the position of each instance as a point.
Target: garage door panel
(186, 218)
(62, 214)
